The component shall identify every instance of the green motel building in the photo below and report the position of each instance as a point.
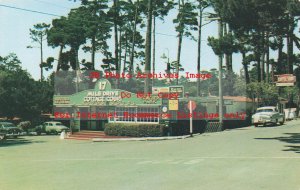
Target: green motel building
(91, 109)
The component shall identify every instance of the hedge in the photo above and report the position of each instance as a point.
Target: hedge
(135, 129)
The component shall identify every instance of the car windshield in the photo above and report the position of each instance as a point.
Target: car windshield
(264, 110)
(9, 125)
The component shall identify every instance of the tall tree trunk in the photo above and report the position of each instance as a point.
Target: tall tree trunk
(230, 56)
(268, 58)
(178, 55)
(125, 53)
(133, 39)
(153, 53)
(41, 65)
(116, 15)
(280, 68)
(199, 46)
(59, 62)
(227, 60)
(120, 50)
(272, 70)
(77, 68)
(245, 68)
(290, 44)
(93, 52)
(257, 55)
(262, 68)
(148, 47)
(179, 42)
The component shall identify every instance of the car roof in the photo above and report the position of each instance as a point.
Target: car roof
(267, 107)
(6, 123)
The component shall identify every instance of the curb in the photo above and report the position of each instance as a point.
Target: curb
(139, 139)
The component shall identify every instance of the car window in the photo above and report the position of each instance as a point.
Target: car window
(264, 110)
(58, 123)
(50, 124)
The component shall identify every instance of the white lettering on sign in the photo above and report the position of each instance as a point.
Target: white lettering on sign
(102, 96)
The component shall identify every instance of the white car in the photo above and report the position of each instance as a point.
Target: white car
(266, 115)
(53, 127)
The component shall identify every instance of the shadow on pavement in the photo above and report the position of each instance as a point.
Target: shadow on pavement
(293, 138)
(17, 141)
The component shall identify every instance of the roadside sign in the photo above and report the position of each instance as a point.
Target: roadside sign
(191, 105)
(177, 89)
(173, 105)
(286, 80)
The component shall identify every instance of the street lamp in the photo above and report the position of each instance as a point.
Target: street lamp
(168, 63)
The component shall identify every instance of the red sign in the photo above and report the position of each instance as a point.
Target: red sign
(286, 78)
(191, 105)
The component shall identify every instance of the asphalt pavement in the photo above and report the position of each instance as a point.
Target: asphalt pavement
(266, 158)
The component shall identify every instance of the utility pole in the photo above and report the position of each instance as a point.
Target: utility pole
(220, 28)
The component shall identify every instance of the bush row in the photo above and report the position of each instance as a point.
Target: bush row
(135, 130)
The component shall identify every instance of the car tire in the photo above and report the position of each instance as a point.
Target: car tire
(255, 125)
(2, 137)
(281, 123)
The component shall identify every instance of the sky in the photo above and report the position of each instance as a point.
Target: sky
(15, 25)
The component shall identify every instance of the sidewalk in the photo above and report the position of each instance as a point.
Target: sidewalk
(139, 139)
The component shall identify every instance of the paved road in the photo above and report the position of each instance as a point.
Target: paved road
(242, 159)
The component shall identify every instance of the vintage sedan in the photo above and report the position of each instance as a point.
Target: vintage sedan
(51, 127)
(267, 115)
(2, 136)
(9, 129)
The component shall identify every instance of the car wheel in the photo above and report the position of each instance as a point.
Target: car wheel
(281, 123)
(2, 137)
(255, 125)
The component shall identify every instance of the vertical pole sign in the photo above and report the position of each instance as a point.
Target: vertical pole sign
(191, 106)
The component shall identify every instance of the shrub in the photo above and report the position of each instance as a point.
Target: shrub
(135, 129)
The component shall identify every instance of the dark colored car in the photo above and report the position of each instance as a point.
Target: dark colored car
(9, 129)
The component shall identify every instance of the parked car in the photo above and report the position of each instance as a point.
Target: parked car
(2, 136)
(51, 127)
(267, 115)
(9, 129)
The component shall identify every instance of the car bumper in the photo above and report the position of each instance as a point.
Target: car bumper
(262, 121)
(12, 134)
